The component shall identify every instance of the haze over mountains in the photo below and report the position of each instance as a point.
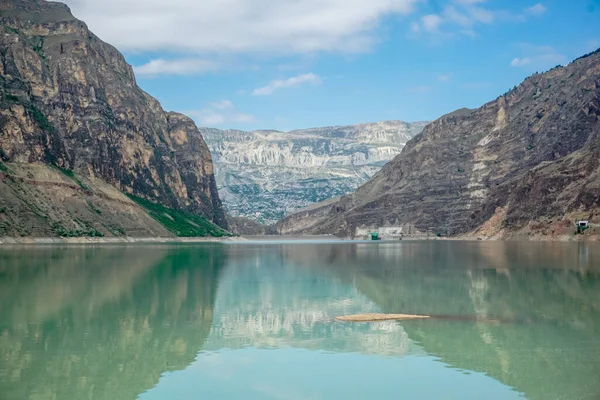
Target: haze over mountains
(264, 175)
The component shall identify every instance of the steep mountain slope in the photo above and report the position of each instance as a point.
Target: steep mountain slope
(527, 161)
(263, 175)
(70, 102)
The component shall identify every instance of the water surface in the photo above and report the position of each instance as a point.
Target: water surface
(255, 321)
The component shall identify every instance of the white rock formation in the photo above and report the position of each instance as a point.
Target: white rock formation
(263, 175)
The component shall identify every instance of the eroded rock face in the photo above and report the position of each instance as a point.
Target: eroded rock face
(531, 155)
(71, 100)
(248, 227)
(263, 175)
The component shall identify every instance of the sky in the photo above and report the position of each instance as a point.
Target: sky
(293, 64)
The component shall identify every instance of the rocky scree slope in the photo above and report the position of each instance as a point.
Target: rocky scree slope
(70, 103)
(263, 175)
(527, 162)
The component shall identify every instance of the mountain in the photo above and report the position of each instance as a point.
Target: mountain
(527, 163)
(84, 151)
(262, 175)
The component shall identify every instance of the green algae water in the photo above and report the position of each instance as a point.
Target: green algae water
(256, 321)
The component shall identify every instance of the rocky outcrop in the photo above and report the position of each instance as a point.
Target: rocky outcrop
(69, 100)
(263, 175)
(526, 162)
(245, 226)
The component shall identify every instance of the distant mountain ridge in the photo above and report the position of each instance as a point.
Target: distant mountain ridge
(262, 175)
(526, 163)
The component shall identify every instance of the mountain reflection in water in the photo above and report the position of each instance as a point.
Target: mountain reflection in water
(101, 322)
(105, 322)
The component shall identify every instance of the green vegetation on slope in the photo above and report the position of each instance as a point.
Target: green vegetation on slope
(85, 229)
(178, 222)
(4, 168)
(70, 174)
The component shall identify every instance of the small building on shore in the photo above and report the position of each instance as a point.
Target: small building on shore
(388, 232)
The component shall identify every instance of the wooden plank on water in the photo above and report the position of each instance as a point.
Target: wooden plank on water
(379, 317)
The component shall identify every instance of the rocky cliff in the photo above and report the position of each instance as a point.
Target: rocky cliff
(263, 175)
(70, 103)
(526, 162)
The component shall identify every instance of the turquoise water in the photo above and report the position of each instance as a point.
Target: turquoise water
(256, 321)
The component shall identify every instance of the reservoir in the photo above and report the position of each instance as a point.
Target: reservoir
(256, 320)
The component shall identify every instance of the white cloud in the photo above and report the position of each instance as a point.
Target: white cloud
(222, 105)
(462, 13)
(463, 16)
(239, 26)
(468, 32)
(287, 83)
(538, 56)
(468, 15)
(219, 113)
(431, 22)
(537, 9)
(481, 15)
(453, 15)
(184, 66)
(444, 78)
(520, 62)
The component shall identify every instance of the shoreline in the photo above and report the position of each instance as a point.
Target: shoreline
(116, 240)
(278, 238)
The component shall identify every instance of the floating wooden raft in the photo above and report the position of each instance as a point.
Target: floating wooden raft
(379, 317)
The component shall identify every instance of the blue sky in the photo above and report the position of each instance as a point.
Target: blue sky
(291, 64)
